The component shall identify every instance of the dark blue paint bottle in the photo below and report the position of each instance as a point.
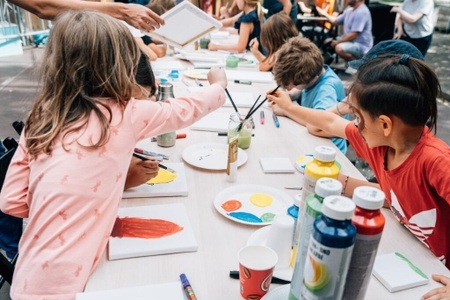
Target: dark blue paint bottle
(330, 250)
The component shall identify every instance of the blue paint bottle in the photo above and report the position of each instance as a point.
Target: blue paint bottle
(330, 250)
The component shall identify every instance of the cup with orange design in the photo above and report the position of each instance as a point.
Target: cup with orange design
(256, 264)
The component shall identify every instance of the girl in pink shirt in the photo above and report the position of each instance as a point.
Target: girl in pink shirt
(68, 173)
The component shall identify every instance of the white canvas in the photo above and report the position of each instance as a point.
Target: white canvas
(182, 241)
(254, 76)
(276, 165)
(397, 273)
(166, 291)
(178, 187)
(215, 121)
(184, 24)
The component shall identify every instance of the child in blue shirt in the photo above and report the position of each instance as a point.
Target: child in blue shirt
(300, 66)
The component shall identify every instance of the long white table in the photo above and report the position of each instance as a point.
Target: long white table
(219, 238)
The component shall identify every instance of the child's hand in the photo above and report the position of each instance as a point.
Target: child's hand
(212, 47)
(441, 292)
(277, 110)
(254, 45)
(140, 172)
(217, 75)
(282, 99)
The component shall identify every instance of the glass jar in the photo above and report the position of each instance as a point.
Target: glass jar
(232, 61)
(165, 90)
(244, 128)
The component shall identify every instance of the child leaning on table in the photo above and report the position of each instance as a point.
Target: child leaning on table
(274, 33)
(68, 173)
(248, 26)
(393, 98)
(299, 66)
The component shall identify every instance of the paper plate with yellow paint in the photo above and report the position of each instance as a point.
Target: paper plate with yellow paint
(252, 204)
(197, 74)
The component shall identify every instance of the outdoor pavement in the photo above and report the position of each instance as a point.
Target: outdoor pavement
(19, 83)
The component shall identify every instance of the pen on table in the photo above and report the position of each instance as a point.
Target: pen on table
(187, 287)
(248, 82)
(150, 153)
(198, 82)
(179, 136)
(275, 119)
(235, 275)
(226, 134)
(159, 165)
(261, 117)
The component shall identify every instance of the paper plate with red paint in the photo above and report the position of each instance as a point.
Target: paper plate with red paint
(252, 204)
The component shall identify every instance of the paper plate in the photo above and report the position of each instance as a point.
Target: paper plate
(281, 292)
(211, 156)
(259, 237)
(196, 74)
(235, 204)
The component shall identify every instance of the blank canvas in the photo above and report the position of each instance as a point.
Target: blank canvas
(184, 24)
(178, 187)
(215, 121)
(254, 76)
(182, 241)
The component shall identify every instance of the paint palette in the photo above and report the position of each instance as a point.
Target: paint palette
(211, 156)
(197, 74)
(252, 204)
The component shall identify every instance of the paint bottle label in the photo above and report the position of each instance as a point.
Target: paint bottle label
(323, 268)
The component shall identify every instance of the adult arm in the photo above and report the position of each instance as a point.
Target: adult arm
(287, 6)
(333, 19)
(399, 25)
(405, 16)
(136, 15)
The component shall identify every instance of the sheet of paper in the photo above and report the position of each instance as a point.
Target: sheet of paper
(184, 24)
(254, 76)
(167, 65)
(155, 229)
(176, 187)
(166, 291)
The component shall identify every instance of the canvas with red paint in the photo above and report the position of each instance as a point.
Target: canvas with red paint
(151, 230)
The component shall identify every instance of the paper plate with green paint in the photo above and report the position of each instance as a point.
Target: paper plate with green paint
(252, 204)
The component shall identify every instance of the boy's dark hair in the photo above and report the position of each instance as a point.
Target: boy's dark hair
(298, 61)
(398, 85)
(144, 74)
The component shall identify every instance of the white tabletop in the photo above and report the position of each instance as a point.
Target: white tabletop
(219, 238)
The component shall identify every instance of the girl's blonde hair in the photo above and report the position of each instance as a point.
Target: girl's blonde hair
(89, 58)
(259, 8)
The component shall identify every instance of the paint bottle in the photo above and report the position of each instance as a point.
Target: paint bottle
(369, 222)
(313, 209)
(330, 250)
(293, 212)
(232, 162)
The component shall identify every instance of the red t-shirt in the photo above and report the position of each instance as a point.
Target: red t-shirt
(418, 190)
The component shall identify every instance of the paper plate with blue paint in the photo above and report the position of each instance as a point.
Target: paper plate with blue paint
(252, 204)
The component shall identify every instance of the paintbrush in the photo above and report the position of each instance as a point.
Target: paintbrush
(143, 158)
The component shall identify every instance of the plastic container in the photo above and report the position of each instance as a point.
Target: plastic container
(313, 209)
(293, 211)
(165, 90)
(330, 250)
(369, 222)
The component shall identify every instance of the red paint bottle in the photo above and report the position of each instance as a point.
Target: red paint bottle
(369, 222)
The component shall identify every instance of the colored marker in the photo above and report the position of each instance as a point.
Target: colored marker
(226, 134)
(187, 287)
(179, 136)
(248, 82)
(275, 119)
(261, 117)
(150, 153)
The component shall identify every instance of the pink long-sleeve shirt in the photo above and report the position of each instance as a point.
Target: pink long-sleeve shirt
(71, 197)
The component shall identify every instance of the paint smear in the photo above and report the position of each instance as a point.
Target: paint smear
(268, 217)
(231, 205)
(144, 228)
(163, 176)
(261, 200)
(247, 217)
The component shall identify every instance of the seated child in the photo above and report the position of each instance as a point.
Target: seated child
(248, 26)
(68, 173)
(300, 65)
(394, 98)
(274, 33)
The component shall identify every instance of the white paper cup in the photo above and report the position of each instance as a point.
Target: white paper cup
(279, 239)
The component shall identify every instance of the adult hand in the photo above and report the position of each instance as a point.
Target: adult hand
(140, 172)
(254, 45)
(333, 43)
(282, 99)
(395, 9)
(441, 292)
(141, 17)
(398, 34)
(218, 75)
